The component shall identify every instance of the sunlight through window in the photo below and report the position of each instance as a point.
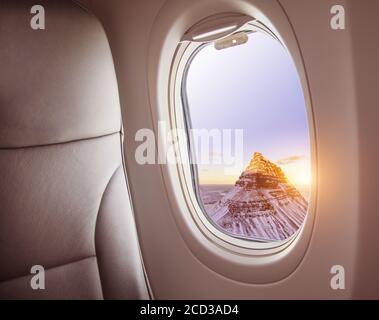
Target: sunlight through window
(252, 174)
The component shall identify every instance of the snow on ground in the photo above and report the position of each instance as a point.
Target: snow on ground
(263, 214)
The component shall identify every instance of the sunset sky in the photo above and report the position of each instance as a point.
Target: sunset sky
(254, 87)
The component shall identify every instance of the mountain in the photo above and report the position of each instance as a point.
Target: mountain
(263, 205)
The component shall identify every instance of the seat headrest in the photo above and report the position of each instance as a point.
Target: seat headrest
(57, 84)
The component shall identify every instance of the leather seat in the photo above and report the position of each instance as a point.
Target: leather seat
(64, 201)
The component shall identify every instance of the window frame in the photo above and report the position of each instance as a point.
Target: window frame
(180, 118)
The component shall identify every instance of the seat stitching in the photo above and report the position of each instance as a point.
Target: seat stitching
(50, 268)
(97, 219)
(60, 143)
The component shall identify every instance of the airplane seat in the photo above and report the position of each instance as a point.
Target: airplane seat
(66, 224)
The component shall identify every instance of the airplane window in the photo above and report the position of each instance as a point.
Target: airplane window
(249, 133)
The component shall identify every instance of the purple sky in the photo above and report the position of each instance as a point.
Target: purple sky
(254, 87)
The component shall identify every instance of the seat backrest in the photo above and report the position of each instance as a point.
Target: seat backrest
(64, 201)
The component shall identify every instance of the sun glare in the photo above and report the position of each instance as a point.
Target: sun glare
(299, 173)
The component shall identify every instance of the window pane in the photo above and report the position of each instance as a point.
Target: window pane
(256, 188)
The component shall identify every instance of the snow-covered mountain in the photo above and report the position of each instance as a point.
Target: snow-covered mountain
(263, 204)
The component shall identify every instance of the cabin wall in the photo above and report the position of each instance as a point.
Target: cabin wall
(344, 105)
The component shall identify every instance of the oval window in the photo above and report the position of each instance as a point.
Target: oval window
(249, 134)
